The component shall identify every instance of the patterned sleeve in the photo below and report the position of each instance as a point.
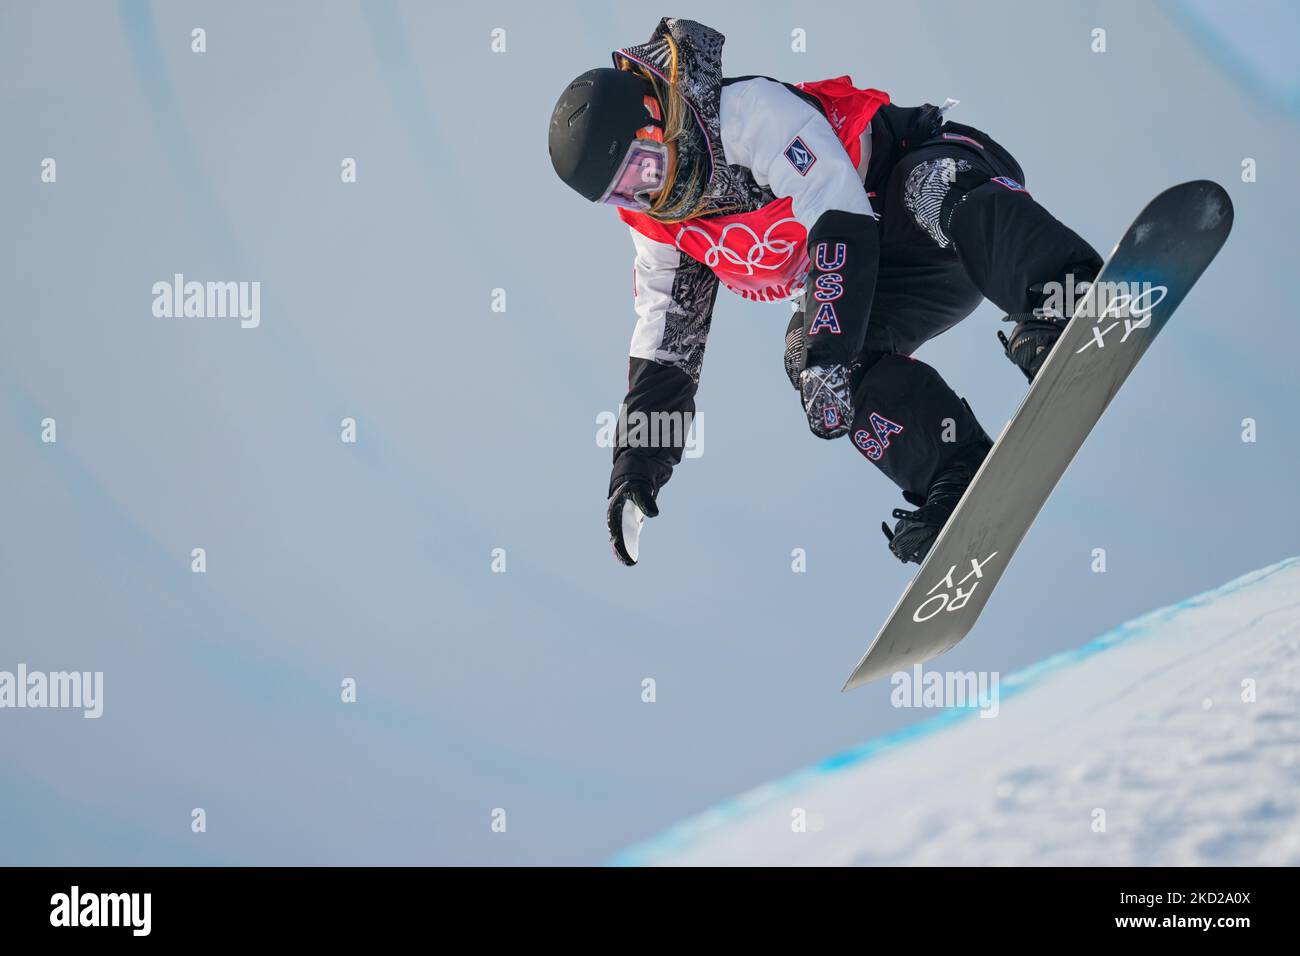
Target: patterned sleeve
(673, 298)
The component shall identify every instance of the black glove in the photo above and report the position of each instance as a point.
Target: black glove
(630, 504)
(827, 395)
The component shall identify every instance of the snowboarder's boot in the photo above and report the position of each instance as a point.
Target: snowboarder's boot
(916, 531)
(1031, 342)
(1036, 332)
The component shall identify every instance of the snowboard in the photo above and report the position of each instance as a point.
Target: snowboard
(1148, 273)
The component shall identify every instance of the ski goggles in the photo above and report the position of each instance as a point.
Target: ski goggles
(644, 169)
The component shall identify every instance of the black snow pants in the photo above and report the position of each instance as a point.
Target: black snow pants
(956, 226)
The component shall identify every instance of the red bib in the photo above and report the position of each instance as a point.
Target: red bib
(763, 254)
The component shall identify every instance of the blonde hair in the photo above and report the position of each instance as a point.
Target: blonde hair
(677, 117)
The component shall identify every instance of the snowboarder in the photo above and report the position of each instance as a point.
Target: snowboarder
(887, 224)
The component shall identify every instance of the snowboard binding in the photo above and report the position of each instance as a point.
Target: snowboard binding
(1031, 341)
(916, 531)
(1036, 332)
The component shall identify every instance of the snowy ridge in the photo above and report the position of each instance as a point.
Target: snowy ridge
(1148, 729)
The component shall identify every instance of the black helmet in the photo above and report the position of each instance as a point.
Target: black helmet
(593, 125)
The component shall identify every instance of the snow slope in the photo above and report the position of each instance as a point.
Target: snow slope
(1148, 724)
